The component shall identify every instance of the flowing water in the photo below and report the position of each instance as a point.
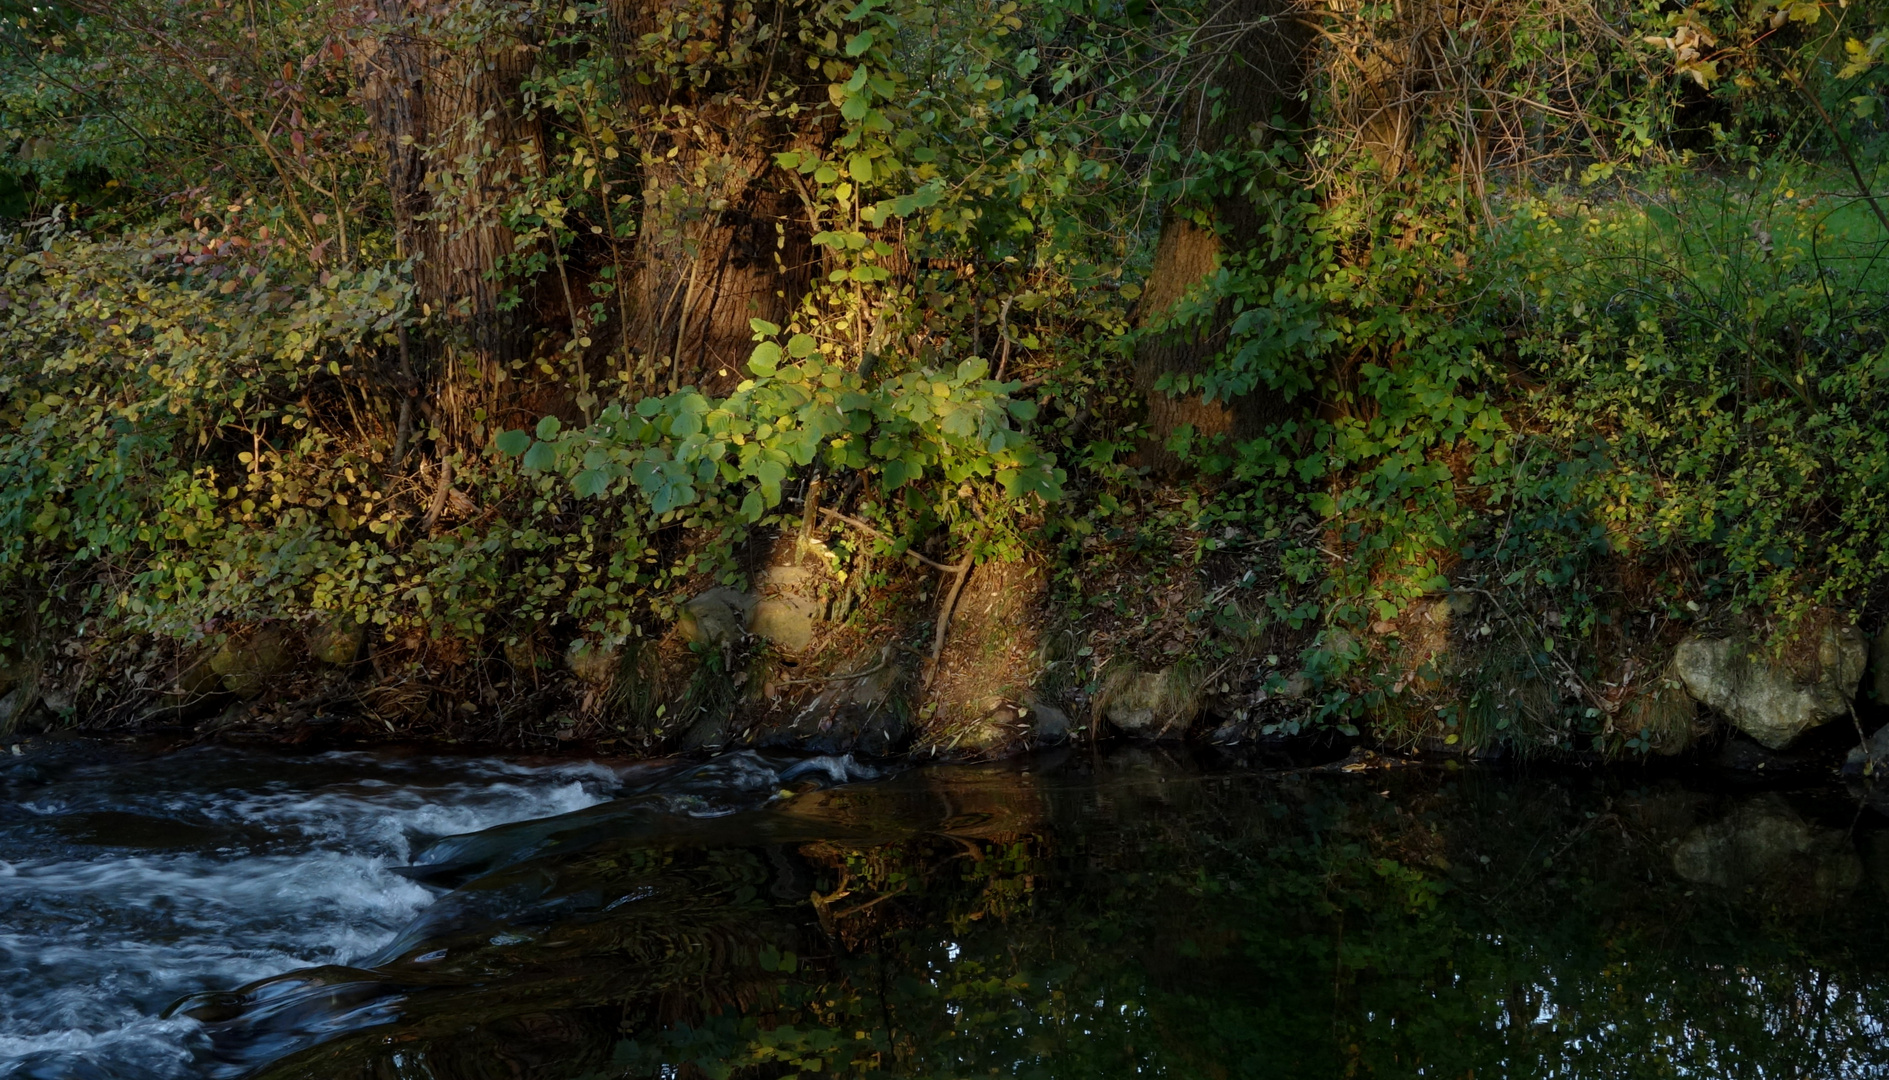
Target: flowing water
(226, 913)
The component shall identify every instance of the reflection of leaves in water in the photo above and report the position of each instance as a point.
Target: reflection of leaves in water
(1144, 919)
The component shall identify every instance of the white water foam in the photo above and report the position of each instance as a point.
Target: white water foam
(285, 867)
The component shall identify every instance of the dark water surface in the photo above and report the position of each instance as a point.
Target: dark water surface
(225, 913)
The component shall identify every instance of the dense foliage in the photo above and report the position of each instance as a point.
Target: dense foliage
(493, 321)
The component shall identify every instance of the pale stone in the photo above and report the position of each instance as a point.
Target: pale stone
(1765, 698)
(786, 621)
(716, 618)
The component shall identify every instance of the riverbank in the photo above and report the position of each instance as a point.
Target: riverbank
(908, 656)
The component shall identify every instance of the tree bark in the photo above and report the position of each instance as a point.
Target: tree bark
(442, 94)
(1254, 58)
(723, 237)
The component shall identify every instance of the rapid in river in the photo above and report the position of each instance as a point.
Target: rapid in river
(219, 912)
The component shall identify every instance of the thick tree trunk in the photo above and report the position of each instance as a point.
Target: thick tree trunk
(723, 239)
(1254, 60)
(441, 92)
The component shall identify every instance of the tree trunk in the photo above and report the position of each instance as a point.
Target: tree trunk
(723, 238)
(1254, 68)
(442, 94)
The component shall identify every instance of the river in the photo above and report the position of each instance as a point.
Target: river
(221, 912)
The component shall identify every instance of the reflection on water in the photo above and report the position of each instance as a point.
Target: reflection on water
(215, 914)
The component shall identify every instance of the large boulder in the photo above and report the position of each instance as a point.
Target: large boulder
(1774, 699)
(247, 662)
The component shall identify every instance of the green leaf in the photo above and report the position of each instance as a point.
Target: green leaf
(765, 359)
(854, 110)
(590, 483)
(770, 474)
(859, 43)
(801, 346)
(548, 428)
(1021, 409)
(898, 472)
(542, 457)
(973, 369)
(860, 165)
(512, 443)
(762, 326)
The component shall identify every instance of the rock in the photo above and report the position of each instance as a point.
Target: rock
(786, 621)
(716, 618)
(867, 714)
(247, 663)
(787, 615)
(593, 663)
(1048, 724)
(195, 678)
(15, 704)
(1773, 700)
(336, 638)
(708, 733)
(1870, 760)
(1152, 704)
(1766, 847)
